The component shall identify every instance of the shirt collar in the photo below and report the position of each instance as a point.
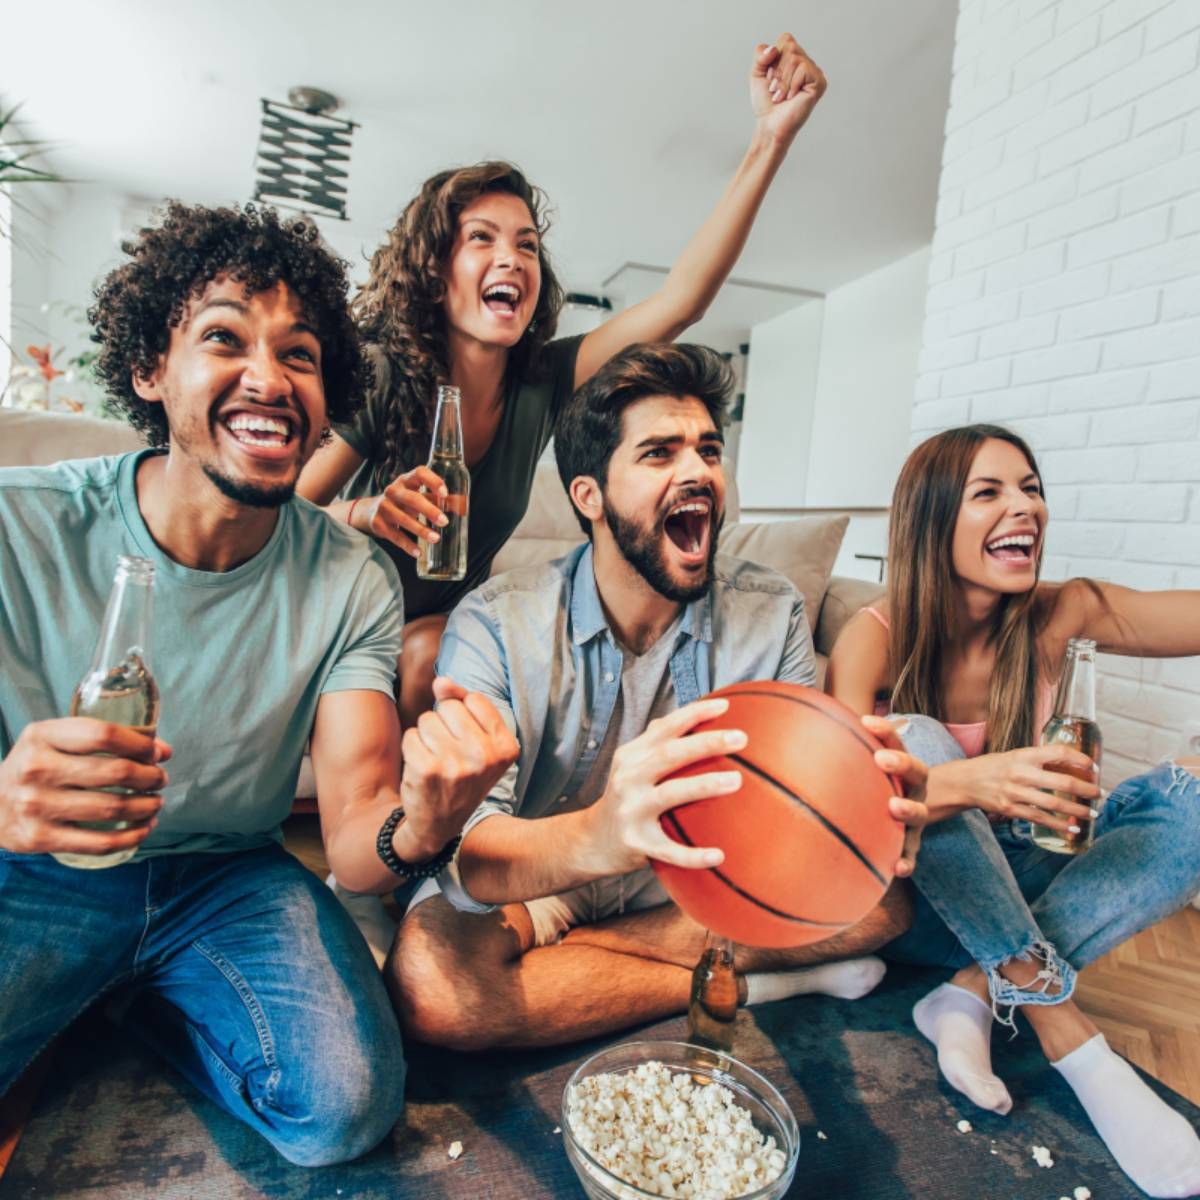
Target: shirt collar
(587, 613)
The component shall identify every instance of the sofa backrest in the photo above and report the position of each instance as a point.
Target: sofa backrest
(36, 439)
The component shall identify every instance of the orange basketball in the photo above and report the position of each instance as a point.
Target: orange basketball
(809, 843)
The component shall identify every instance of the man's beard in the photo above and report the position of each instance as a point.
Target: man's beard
(644, 551)
(249, 494)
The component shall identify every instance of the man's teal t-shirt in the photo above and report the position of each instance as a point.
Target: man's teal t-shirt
(241, 657)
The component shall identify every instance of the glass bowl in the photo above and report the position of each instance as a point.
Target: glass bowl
(767, 1108)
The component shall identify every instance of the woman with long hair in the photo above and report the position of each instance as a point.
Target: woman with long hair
(967, 645)
(463, 292)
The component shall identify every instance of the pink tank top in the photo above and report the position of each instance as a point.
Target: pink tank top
(972, 736)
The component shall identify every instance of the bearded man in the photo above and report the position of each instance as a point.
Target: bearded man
(550, 925)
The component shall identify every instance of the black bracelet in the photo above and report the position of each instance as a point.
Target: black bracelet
(418, 870)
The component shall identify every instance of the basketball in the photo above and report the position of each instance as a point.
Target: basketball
(809, 843)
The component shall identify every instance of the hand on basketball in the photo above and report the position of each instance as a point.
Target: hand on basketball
(395, 515)
(623, 823)
(53, 776)
(452, 759)
(911, 807)
(1017, 784)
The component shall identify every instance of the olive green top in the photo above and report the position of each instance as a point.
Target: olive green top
(500, 482)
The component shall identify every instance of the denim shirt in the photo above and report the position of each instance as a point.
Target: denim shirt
(536, 642)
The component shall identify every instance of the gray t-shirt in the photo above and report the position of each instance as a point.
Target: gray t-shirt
(241, 657)
(500, 482)
(646, 692)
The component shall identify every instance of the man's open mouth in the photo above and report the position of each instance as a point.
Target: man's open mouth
(265, 435)
(1017, 548)
(502, 298)
(689, 526)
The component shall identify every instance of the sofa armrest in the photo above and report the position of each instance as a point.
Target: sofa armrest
(843, 598)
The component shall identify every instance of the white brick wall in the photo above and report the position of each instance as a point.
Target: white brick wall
(1064, 300)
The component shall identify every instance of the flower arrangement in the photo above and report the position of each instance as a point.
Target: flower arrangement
(38, 383)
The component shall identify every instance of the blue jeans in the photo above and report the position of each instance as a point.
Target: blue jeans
(244, 971)
(988, 894)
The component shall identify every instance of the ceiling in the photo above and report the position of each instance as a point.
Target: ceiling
(631, 114)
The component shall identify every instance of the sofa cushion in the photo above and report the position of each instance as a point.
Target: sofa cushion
(36, 439)
(803, 549)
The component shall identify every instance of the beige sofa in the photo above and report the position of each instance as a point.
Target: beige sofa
(803, 549)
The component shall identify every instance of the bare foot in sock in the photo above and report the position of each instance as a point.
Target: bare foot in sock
(959, 1024)
(1152, 1143)
(848, 980)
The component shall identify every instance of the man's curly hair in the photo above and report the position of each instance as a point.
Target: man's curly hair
(171, 263)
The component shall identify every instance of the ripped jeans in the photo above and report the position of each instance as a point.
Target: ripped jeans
(988, 894)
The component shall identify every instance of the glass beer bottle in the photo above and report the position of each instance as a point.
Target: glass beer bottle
(118, 686)
(446, 559)
(712, 1008)
(1074, 724)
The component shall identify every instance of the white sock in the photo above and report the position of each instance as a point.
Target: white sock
(847, 980)
(959, 1024)
(1153, 1144)
(367, 912)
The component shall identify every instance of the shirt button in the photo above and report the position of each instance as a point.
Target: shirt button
(591, 743)
(609, 677)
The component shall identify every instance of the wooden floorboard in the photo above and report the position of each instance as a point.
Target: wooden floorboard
(1145, 997)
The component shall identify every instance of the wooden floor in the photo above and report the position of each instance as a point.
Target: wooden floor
(1145, 995)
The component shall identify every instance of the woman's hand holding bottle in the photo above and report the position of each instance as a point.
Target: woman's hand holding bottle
(395, 515)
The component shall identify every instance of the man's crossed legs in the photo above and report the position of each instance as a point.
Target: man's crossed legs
(595, 960)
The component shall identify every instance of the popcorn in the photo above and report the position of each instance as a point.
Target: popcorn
(1082, 1193)
(964, 1127)
(1041, 1156)
(821, 1135)
(669, 1135)
(455, 1151)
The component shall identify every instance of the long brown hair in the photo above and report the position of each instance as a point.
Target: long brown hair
(399, 308)
(922, 588)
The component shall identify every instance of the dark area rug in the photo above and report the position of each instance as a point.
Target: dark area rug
(113, 1122)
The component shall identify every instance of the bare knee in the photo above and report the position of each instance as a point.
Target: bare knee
(446, 972)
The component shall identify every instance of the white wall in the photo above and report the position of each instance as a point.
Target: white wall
(781, 397)
(1064, 299)
(829, 405)
(869, 348)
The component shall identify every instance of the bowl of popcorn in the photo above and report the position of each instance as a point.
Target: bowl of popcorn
(671, 1119)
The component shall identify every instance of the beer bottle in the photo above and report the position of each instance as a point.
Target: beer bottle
(446, 559)
(714, 1000)
(1074, 724)
(118, 686)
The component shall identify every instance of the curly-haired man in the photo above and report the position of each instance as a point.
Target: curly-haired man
(226, 339)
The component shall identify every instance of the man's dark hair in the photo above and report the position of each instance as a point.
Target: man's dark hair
(589, 428)
(171, 263)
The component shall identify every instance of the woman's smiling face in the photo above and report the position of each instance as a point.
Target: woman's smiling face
(494, 274)
(1001, 522)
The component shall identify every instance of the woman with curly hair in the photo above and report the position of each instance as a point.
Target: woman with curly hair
(463, 293)
(968, 644)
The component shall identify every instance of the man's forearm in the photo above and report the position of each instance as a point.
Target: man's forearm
(508, 859)
(351, 846)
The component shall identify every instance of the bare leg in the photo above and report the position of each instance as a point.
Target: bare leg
(476, 982)
(422, 638)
